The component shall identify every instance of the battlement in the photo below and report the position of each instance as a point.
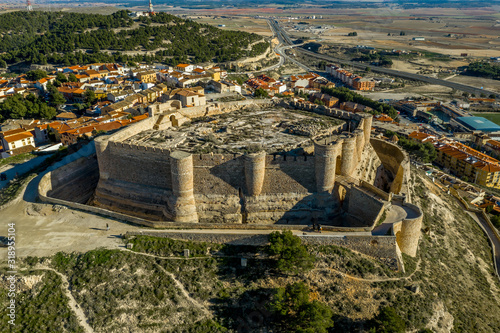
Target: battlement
(213, 159)
(139, 147)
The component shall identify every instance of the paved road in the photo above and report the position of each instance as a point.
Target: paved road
(285, 43)
(20, 169)
(282, 35)
(396, 213)
(255, 232)
(405, 75)
(492, 235)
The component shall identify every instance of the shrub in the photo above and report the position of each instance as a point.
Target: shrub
(296, 313)
(388, 321)
(292, 255)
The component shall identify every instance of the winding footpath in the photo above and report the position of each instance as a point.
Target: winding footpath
(77, 310)
(184, 292)
(179, 285)
(345, 275)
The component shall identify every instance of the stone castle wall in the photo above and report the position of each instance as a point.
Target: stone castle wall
(77, 180)
(364, 205)
(408, 231)
(160, 187)
(394, 160)
(255, 188)
(233, 188)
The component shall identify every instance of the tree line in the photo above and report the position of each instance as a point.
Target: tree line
(347, 95)
(17, 107)
(70, 38)
(484, 69)
(382, 60)
(424, 152)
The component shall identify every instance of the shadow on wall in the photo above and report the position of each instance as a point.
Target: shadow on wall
(383, 179)
(290, 174)
(76, 181)
(227, 177)
(322, 208)
(393, 160)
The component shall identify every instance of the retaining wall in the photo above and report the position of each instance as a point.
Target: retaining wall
(76, 180)
(364, 206)
(384, 195)
(379, 247)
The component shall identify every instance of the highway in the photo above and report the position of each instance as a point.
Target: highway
(279, 49)
(286, 41)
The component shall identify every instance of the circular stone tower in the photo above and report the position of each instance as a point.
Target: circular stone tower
(255, 170)
(367, 127)
(325, 158)
(181, 169)
(348, 155)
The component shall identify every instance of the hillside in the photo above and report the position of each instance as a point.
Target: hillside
(449, 287)
(72, 38)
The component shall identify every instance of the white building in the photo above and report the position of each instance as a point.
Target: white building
(184, 68)
(11, 143)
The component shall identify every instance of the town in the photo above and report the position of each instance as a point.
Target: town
(196, 167)
(100, 98)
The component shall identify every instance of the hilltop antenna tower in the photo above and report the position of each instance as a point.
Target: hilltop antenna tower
(29, 7)
(150, 11)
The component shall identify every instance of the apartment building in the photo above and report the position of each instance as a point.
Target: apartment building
(463, 161)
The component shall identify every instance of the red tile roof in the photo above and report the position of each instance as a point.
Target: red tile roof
(17, 137)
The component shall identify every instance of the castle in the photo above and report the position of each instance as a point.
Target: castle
(194, 167)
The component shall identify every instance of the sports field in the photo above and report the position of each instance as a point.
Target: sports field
(492, 116)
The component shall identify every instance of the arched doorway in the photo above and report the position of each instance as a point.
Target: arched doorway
(174, 121)
(342, 194)
(338, 164)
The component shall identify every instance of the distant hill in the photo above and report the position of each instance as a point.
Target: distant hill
(71, 38)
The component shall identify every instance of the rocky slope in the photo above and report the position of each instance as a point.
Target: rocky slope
(449, 287)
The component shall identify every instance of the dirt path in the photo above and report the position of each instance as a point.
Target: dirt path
(417, 268)
(72, 302)
(184, 292)
(179, 285)
(160, 257)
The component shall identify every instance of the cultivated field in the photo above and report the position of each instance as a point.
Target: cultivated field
(446, 31)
